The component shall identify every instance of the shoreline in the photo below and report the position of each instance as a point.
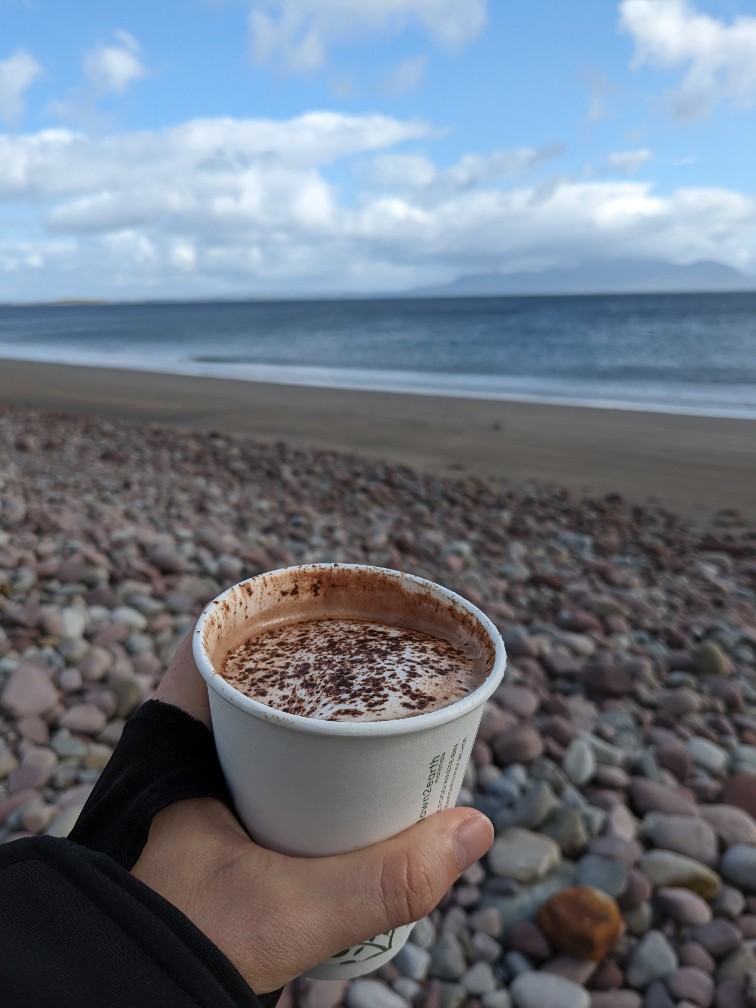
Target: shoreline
(694, 465)
(399, 383)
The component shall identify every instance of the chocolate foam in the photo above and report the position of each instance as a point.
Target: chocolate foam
(352, 669)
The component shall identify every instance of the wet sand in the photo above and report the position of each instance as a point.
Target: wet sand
(696, 466)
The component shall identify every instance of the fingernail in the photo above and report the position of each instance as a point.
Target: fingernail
(472, 839)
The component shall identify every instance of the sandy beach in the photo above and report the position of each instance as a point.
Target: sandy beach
(696, 466)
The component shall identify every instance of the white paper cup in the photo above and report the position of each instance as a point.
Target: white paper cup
(311, 787)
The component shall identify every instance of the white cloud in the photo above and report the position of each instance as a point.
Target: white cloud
(405, 75)
(298, 33)
(719, 58)
(209, 155)
(574, 221)
(17, 73)
(419, 176)
(474, 169)
(629, 161)
(242, 207)
(114, 68)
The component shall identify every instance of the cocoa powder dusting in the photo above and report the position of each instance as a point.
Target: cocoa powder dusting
(352, 670)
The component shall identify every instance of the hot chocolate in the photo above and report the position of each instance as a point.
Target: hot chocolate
(345, 669)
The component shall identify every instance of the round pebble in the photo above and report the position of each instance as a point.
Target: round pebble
(372, 994)
(535, 990)
(650, 959)
(738, 866)
(682, 906)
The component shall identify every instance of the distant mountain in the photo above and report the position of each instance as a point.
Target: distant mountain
(605, 276)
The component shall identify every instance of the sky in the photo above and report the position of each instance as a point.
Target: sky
(224, 148)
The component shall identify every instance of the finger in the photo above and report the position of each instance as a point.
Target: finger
(368, 892)
(183, 686)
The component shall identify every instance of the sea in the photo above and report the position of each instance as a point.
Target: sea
(678, 353)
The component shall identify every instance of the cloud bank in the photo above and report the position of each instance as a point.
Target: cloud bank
(330, 202)
(228, 206)
(719, 60)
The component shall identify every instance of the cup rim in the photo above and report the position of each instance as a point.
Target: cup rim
(320, 726)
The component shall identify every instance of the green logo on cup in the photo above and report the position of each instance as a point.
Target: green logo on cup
(367, 950)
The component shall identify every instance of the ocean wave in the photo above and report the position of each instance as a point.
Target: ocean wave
(692, 399)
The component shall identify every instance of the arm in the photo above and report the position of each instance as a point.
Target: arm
(161, 873)
(276, 916)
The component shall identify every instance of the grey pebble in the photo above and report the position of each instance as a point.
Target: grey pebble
(532, 807)
(451, 995)
(708, 755)
(454, 922)
(517, 773)
(487, 920)
(413, 961)
(650, 959)
(645, 765)
(133, 619)
(478, 979)
(579, 762)
(566, 825)
(448, 958)
(738, 865)
(639, 919)
(666, 868)
(683, 906)
(484, 947)
(372, 994)
(657, 996)
(517, 963)
(729, 902)
(496, 999)
(572, 796)
(65, 775)
(595, 820)
(523, 855)
(499, 786)
(67, 745)
(603, 873)
(488, 775)
(744, 759)
(738, 965)
(406, 988)
(538, 990)
(605, 752)
(718, 936)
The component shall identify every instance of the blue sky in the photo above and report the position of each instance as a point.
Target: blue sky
(253, 147)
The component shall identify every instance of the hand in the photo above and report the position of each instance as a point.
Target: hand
(274, 916)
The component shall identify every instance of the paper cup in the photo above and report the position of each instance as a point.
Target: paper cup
(310, 787)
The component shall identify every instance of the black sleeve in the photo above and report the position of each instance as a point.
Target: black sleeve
(77, 929)
(164, 755)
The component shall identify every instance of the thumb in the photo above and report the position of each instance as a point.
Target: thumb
(372, 890)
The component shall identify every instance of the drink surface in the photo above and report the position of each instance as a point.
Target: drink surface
(352, 669)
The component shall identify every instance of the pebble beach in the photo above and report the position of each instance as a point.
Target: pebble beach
(617, 761)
